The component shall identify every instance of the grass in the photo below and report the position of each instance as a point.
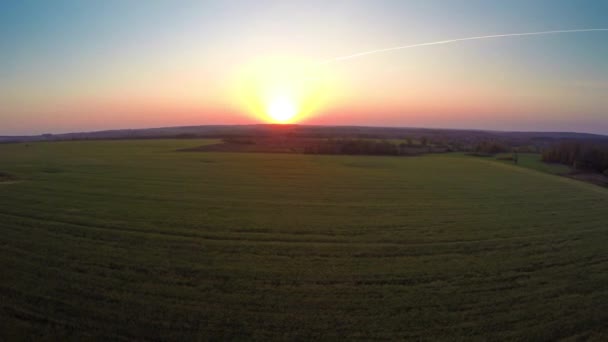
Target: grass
(131, 240)
(533, 161)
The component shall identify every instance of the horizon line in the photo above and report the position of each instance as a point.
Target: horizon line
(309, 125)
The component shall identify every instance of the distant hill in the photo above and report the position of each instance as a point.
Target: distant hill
(222, 131)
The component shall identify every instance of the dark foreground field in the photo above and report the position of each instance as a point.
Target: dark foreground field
(132, 240)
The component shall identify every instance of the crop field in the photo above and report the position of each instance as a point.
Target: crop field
(533, 161)
(132, 240)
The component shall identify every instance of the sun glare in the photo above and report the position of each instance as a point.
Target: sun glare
(282, 109)
(281, 90)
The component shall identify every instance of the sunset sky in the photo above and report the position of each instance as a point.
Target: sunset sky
(92, 65)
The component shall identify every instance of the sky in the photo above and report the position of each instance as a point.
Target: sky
(85, 65)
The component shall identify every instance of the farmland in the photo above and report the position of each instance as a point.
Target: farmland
(133, 240)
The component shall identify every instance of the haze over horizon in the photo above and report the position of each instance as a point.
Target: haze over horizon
(85, 66)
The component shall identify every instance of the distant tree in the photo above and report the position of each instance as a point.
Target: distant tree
(606, 172)
(403, 148)
(490, 147)
(352, 146)
(584, 156)
(239, 140)
(424, 141)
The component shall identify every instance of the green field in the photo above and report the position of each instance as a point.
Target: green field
(533, 161)
(132, 240)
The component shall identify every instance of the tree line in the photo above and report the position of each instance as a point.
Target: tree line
(407, 147)
(582, 156)
(353, 146)
(490, 147)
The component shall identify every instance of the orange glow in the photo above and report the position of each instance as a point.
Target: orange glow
(281, 90)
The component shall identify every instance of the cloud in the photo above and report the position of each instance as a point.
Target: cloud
(450, 41)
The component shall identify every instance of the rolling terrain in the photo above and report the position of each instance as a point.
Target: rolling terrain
(133, 240)
(311, 131)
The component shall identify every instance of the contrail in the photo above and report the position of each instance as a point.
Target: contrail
(449, 41)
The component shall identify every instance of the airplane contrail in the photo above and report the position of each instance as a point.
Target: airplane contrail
(449, 41)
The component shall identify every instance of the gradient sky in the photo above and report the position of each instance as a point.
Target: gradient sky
(91, 65)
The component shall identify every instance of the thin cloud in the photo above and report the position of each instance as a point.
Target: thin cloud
(450, 41)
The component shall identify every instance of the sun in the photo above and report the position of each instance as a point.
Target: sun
(281, 90)
(282, 109)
